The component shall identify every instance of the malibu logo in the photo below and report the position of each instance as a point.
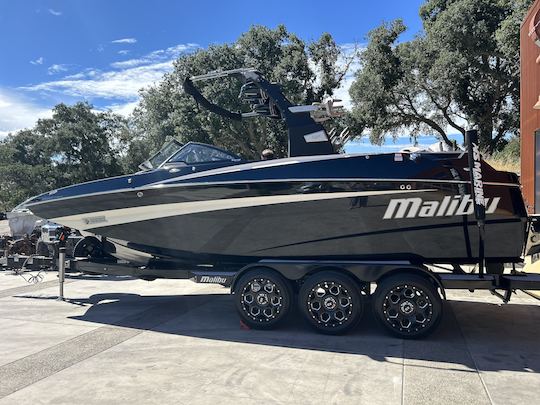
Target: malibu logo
(449, 206)
(212, 279)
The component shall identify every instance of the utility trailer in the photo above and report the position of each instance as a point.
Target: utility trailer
(27, 262)
(39, 250)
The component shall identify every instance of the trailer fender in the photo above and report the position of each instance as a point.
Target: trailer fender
(362, 271)
(419, 271)
(251, 266)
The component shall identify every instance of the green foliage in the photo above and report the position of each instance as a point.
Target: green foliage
(510, 153)
(20, 181)
(165, 112)
(24, 169)
(508, 157)
(80, 142)
(462, 69)
(73, 146)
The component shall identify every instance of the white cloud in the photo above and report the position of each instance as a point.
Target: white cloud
(124, 41)
(86, 73)
(124, 109)
(53, 69)
(123, 52)
(38, 61)
(17, 112)
(54, 12)
(123, 83)
(157, 56)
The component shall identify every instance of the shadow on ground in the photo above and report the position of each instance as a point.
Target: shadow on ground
(473, 335)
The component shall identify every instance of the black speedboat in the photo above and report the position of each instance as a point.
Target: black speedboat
(198, 203)
(318, 225)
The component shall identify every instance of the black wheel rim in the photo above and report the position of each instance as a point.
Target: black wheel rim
(330, 304)
(408, 309)
(262, 300)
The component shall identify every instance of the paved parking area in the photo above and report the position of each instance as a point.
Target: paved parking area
(130, 341)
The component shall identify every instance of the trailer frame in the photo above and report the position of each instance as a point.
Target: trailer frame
(364, 271)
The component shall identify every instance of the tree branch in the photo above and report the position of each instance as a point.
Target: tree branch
(500, 133)
(348, 64)
(428, 121)
(444, 111)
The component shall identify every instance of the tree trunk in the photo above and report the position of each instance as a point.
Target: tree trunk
(485, 137)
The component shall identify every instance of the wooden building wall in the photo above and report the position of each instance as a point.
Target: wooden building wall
(530, 118)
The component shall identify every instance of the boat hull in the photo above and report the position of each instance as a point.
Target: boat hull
(428, 221)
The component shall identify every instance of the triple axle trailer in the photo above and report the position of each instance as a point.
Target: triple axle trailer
(405, 295)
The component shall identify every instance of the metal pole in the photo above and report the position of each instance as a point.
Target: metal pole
(477, 192)
(61, 271)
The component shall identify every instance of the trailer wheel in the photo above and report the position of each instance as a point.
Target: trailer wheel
(331, 302)
(89, 246)
(263, 298)
(408, 306)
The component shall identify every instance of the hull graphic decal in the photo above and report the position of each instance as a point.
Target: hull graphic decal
(143, 213)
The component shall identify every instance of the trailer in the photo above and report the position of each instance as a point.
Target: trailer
(406, 296)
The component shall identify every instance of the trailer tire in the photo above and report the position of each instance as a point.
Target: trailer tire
(331, 302)
(408, 306)
(89, 246)
(263, 298)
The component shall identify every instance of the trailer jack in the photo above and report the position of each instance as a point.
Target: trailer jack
(504, 297)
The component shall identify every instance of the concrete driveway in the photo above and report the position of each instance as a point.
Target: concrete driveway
(122, 341)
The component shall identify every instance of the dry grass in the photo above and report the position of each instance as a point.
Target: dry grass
(504, 164)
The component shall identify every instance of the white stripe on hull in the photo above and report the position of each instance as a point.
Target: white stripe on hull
(99, 219)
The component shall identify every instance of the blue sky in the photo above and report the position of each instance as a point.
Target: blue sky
(105, 51)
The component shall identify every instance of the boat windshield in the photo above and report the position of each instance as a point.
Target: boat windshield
(168, 149)
(194, 153)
